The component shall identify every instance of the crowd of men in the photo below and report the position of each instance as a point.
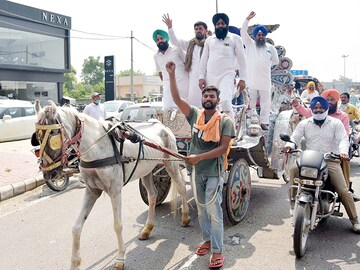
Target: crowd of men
(198, 76)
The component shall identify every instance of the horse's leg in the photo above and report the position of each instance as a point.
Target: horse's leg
(148, 183)
(173, 170)
(116, 205)
(89, 200)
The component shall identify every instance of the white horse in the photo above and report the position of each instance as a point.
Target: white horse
(60, 128)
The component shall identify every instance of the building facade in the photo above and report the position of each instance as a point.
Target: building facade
(34, 52)
(148, 86)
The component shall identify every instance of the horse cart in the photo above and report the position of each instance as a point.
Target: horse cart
(247, 151)
(253, 147)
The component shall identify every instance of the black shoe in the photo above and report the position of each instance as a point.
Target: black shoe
(356, 198)
(264, 127)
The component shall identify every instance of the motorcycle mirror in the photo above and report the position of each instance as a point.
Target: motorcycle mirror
(285, 137)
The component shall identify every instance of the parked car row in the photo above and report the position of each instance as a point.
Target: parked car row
(18, 118)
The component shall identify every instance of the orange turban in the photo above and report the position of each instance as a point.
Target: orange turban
(331, 92)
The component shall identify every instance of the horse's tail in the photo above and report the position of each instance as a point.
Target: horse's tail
(174, 195)
(174, 191)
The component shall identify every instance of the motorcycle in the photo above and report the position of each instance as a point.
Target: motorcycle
(354, 150)
(71, 168)
(316, 199)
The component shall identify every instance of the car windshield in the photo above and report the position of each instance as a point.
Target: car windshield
(2, 110)
(139, 113)
(111, 106)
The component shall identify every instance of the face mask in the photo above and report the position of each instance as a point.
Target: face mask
(319, 116)
(163, 46)
(97, 102)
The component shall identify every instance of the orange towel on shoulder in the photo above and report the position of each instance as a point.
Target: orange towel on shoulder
(211, 128)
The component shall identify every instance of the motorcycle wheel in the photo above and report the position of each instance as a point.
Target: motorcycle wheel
(59, 184)
(301, 228)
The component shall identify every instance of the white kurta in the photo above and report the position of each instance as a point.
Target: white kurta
(177, 55)
(305, 95)
(95, 111)
(217, 66)
(260, 61)
(194, 97)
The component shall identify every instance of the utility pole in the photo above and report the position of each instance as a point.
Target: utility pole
(344, 56)
(131, 69)
(216, 6)
(345, 82)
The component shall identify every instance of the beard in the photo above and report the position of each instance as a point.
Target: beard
(221, 32)
(163, 46)
(260, 42)
(208, 105)
(332, 108)
(200, 36)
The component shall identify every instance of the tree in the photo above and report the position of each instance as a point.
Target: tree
(125, 73)
(70, 79)
(92, 71)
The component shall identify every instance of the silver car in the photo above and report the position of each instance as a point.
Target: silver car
(141, 112)
(114, 107)
(17, 120)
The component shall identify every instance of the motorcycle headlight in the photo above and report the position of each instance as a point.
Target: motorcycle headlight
(309, 172)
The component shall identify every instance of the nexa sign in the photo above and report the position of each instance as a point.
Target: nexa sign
(55, 19)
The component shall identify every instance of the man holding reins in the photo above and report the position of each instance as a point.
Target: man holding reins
(211, 134)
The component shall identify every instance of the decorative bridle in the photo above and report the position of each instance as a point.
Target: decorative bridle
(61, 140)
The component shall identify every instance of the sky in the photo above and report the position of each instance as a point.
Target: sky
(315, 34)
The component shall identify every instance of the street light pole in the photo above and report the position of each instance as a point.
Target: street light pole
(345, 82)
(344, 56)
(216, 6)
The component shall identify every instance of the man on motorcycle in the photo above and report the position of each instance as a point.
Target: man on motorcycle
(332, 96)
(320, 132)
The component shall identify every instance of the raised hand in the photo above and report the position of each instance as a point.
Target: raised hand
(251, 15)
(170, 67)
(166, 19)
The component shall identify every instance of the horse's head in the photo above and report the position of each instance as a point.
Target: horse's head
(52, 134)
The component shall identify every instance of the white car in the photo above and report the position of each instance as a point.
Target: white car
(17, 120)
(141, 112)
(114, 107)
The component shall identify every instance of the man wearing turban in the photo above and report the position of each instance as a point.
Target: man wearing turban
(332, 96)
(217, 62)
(194, 48)
(261, 57)
(321, 132)
(163, 55)
(309, 92)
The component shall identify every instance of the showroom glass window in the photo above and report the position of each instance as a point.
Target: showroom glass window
(21, 48)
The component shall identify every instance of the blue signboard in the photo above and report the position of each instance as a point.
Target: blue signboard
(299, 72)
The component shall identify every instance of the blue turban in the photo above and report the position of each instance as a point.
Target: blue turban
(219, 16)
(161, 33)
(261, 28)
(234, 30)
(323, 102)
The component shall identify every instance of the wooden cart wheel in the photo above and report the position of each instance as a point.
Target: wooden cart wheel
(162, 182)
(238, 189)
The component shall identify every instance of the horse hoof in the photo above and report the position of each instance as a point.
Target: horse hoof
(185, 222)
(144, 236)
(119, 266)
